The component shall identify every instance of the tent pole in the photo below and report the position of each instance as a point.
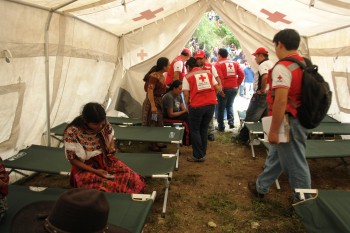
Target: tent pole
(47, 77)
(47, 68)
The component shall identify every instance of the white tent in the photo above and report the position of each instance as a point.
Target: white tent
(56, 55)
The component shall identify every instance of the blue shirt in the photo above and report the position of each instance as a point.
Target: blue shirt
(249, 75)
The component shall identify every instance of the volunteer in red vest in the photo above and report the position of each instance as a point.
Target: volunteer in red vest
(284, 85)
(202, 58)
(231, 76)
(200, 89)
(177, 68)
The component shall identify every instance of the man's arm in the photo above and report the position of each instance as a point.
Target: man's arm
(176, 75)
(186, 95)
(263, 84)
(278, 111)
(240, 74)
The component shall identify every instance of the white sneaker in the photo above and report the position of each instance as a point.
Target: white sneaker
(255, 142)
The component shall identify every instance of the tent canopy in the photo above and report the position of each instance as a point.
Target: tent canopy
(57, 55)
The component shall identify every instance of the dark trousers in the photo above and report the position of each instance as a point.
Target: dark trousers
(199, 119)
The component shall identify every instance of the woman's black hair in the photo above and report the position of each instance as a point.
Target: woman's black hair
(92, 113)
(161, 63)
(175, 84)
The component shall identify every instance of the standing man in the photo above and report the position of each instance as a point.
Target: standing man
(285, 82)
(199, 88)
(257, 108)
(177, 70)
(248, 79)
(231, 76)
(202, 61)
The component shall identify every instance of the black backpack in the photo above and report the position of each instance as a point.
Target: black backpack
(316, 96)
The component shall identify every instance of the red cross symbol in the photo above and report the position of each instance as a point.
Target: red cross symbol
(230, 66)
(202, 78)
(142, 54)
(275, 17)
(279, 78)
(148, 14)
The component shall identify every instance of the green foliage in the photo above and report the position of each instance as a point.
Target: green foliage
(211, 34)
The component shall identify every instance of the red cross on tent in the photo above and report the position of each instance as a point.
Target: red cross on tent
(275, 17)
(202, 78)
(142, 54)
(148, 14)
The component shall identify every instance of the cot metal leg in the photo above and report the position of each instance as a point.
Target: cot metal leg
(177, 157)
(251, 144)
(165, 201)
(277, 184)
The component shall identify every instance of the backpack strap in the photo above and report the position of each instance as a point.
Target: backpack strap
(302, 65)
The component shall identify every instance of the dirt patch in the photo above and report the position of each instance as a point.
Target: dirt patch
(216, 191)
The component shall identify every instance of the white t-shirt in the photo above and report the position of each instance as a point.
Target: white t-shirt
(263, 69)
(281, 77)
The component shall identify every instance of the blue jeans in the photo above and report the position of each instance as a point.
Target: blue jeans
(199, 119)
(257, 108)
(288, 158)
(226, 103)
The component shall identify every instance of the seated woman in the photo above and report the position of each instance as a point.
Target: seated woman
(174, 110)
(90, 148)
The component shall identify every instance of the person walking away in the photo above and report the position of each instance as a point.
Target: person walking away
(231, 76)
(199, 90)
(285, 81)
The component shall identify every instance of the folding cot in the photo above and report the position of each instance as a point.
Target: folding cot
(138, 133)
(150, 134)
(57, 131)
(52, 160)
(126, 210)
(124, 121)
(327, 212)
(328, 126)
(322, 149)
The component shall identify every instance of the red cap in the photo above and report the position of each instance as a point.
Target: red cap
(260, 51)
(199, 54)
(186, 51)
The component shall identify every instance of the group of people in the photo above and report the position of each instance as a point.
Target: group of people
(89, 138)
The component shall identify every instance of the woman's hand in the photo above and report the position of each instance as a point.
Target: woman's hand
(154, 109)
(101, 172)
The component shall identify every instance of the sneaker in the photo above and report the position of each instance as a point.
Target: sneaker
(211, 137)
(232, 126)
(254, 192)
(194, 159)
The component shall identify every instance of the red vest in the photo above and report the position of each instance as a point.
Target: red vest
(170, 73)
(207, 66)
(294, 92)
(230, 73)
(202, 92)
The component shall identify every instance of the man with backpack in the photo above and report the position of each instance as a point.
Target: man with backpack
(285, 85)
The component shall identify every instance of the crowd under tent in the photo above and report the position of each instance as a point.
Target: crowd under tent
(57, 55)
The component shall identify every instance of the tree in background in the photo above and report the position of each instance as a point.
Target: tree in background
(211, 34)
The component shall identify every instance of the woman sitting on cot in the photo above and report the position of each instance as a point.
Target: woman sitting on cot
(174, 110)
(90, 148)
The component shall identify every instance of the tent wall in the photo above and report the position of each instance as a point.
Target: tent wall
(81, 63)
(165, 38)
